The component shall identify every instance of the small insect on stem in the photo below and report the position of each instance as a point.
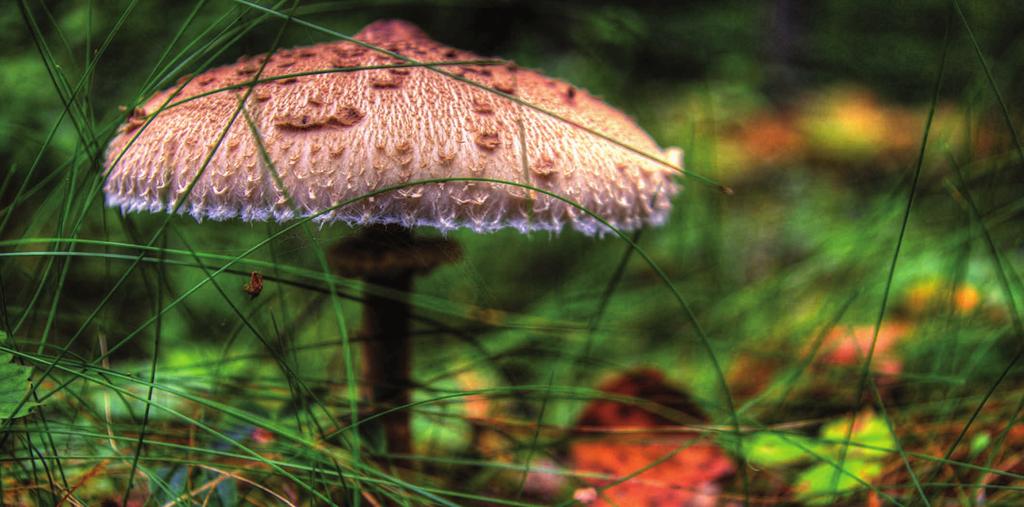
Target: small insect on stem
(255, 284)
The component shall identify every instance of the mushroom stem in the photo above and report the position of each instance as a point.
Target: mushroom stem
(388, 259)
(386, 328)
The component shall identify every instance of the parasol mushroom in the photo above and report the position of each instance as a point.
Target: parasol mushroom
(319, 129)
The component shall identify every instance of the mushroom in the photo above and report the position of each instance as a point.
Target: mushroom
(319, 130)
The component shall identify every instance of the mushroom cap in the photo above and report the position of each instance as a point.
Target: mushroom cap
(328, 138)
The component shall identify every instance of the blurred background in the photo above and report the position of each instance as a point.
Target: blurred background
(551, 368)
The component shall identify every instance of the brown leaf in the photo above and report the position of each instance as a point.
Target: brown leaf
(670, 470)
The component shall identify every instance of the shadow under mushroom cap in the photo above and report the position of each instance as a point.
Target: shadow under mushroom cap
(335, 135)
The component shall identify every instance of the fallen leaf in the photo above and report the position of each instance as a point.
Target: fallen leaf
(682, 474)
(648, 468)
(644, 384)
(849, 346)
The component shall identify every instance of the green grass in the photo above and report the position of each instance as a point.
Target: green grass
(157, 381)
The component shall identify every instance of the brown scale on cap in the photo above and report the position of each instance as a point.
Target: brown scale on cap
(488, 140)
(445, 127)
(543, 167)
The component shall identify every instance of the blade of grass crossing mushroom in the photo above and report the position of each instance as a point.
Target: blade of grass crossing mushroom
(525, 165)
(218, 45)
(336, 70)
(216, 145)
(524, 160)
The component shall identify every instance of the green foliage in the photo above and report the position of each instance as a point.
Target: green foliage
(870, 438)
(818, 484)
(14, 386)
(777, 449)
(980, 442)
(840, 465)
(442, 425)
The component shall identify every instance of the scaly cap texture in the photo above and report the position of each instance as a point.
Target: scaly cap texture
(334, 136)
